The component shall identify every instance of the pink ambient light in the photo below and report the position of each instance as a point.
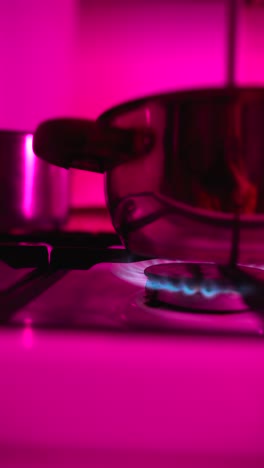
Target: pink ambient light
(27, 336)
(29, 177)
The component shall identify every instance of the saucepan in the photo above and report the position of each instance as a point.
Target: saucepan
(34, 194)
(183, 170)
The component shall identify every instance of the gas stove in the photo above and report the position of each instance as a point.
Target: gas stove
(89, 281)
(111, 359)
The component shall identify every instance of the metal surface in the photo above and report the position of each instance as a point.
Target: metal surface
(111, 297)
(33, 193)
(83, 282)
(204, 170)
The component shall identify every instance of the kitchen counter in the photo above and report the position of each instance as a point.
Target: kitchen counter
(96, 399)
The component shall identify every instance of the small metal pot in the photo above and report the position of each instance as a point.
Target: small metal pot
(33, 193)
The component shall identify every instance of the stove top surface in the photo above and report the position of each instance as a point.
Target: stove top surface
(89, 281)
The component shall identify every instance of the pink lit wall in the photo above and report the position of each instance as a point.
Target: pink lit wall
(79, 57)
(36, 43)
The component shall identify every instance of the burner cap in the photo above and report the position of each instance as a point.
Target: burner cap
(194, 286)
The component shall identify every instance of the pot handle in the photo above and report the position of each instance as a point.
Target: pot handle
(89, 145)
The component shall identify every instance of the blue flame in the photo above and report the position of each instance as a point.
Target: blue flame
(188, 289)
(209, 293)
(207, 290)
(134, 273)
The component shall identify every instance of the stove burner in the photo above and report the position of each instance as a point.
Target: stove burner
(196, 286)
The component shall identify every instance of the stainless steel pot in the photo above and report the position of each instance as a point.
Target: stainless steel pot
(34, 194)
(182, 170)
